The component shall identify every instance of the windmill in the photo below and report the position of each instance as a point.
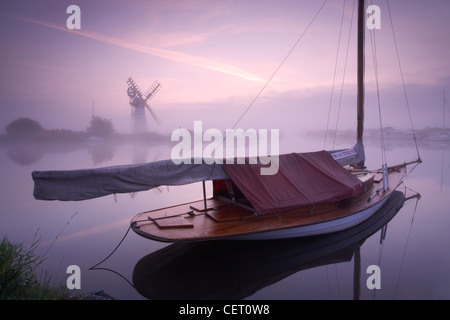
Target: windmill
(138, 103)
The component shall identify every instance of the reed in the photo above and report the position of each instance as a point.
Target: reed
(18, 278)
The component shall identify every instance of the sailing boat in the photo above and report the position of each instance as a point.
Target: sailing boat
(312, 193)
(236, 270)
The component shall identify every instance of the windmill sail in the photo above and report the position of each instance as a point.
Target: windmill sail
(156, 86)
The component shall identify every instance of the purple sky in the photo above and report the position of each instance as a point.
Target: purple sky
(213, 57)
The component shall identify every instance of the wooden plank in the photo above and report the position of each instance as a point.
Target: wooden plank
(173, 222)
(167, 212)
(378, 177)
(210, 205)
(230, 213)
(309, 210)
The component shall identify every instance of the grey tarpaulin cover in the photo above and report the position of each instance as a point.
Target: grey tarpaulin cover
(83, 184)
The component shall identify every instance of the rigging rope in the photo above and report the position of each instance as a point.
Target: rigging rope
(280, 65)
(270, 78)
(335, 71)
(403, 80)
(383, 232)
(343, 75)
(406, 246)
(375, 64)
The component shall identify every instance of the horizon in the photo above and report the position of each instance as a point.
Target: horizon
(212, 59)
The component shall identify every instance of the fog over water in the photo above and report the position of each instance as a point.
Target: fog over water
(65, 104)
(84, 233)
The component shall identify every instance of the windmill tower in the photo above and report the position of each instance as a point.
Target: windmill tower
(138, 103)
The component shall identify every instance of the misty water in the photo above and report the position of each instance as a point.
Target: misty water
(413, 257)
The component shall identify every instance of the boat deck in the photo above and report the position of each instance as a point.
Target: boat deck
(224, 219)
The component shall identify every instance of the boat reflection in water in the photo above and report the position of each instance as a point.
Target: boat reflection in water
(237, 269)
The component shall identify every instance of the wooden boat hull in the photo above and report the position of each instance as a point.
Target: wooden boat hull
(317, 228)
(222, 220)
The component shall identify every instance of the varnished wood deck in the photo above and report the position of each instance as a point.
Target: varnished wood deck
(190, 222)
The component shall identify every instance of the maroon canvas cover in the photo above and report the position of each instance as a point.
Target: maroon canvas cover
(302, 179)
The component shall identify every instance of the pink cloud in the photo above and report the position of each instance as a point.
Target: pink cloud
(162, 53)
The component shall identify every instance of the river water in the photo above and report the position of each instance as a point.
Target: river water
(411, 253)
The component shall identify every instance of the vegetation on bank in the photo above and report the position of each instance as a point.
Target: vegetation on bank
(18, 278)
(29, 131)
(26, 129)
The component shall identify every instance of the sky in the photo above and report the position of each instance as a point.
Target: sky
(213, 58)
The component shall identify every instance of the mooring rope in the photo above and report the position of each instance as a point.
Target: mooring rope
(112, 252)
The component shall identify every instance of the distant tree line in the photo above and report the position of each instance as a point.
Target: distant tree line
(26, 129)
(100, 127)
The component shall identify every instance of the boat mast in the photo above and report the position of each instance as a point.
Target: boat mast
(360, 95)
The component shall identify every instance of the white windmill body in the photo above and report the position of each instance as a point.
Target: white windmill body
(138, 103)
(139, 119)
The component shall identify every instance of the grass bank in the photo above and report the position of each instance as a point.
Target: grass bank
(18, 278)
